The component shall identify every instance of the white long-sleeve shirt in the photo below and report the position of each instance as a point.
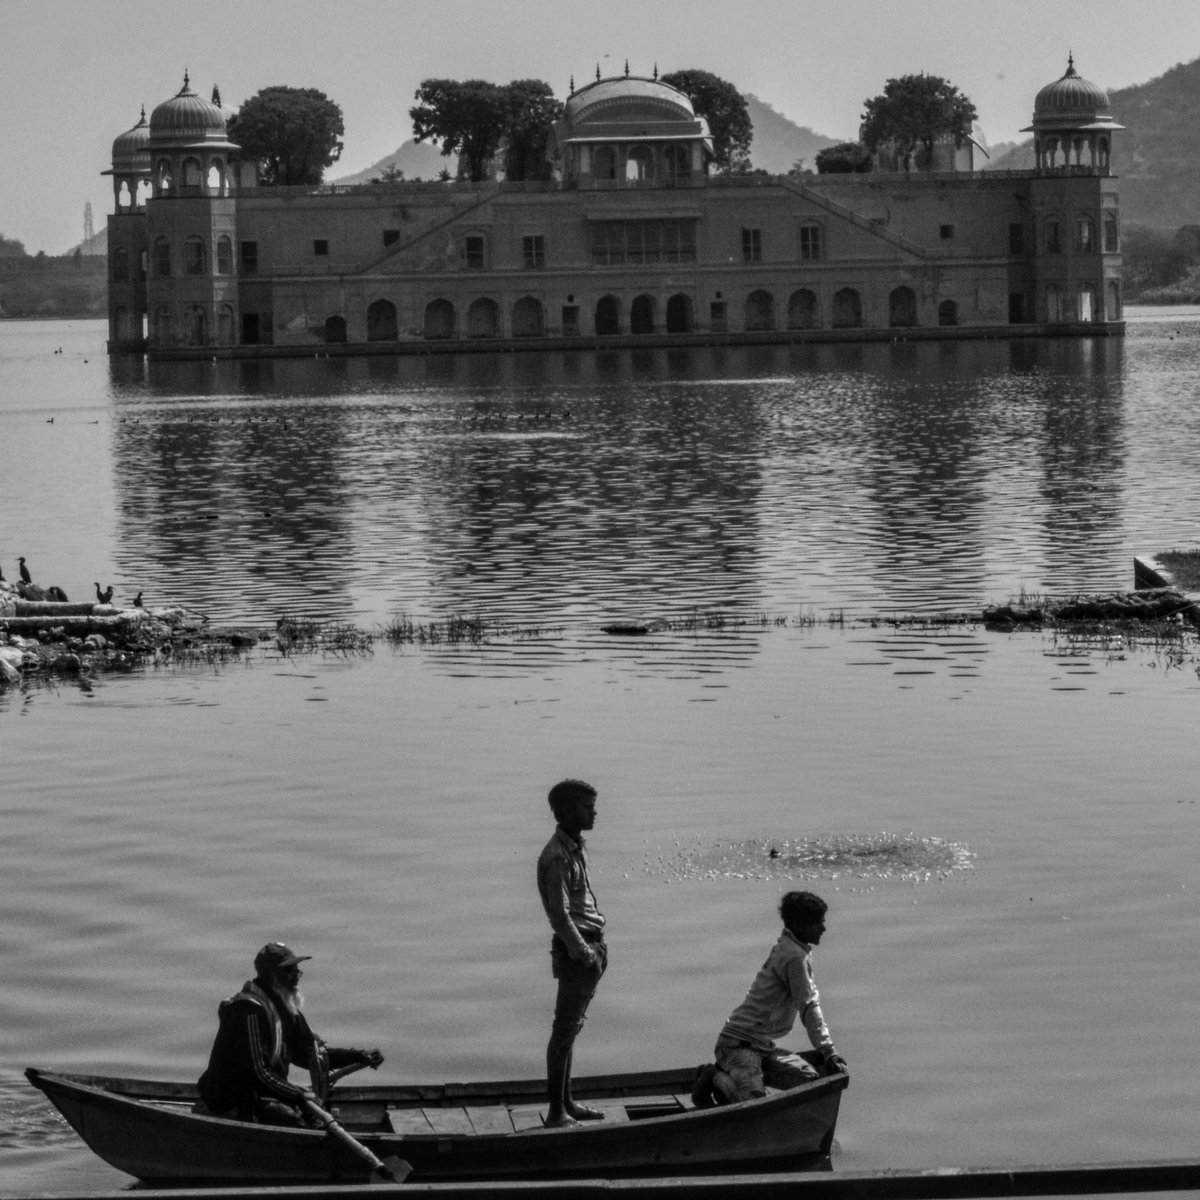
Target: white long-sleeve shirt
(782, 990)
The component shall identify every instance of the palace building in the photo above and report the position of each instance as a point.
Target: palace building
(632, 242)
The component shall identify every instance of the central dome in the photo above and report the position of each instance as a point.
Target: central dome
(628, 98)
(187, 117)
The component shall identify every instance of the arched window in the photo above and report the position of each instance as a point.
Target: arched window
(948, 313)
(124, 198)
(1112, 242)
(145, 189)
(192, 177)
(528, 318)
(802, 310)
(120, 263)
(759, 311)
(608, 316)
(381, 321)
(639, 164)
(162, 325)
(195, 325)
(162, 258)
(1054, 304)
(121, 324)
(193, 256)
(439, 320)
(1085, 302)
(224, 255)
(483, 319)
(163, 177)
(902, 308)
(216, 178)
(1102, 154)
(604, 163)
(679, 314)
(641, 315)
(847, 309)
(1112, 301)
(1053, 235)
(1085, 235)
(335, 328)
(678, 163)
(225, 325)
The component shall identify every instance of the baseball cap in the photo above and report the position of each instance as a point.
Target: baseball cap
(275, 956)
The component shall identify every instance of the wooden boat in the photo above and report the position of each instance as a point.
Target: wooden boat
(452, 1131)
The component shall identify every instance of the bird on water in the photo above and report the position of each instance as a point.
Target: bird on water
(137, 600)
(104, 597)
(25, 575)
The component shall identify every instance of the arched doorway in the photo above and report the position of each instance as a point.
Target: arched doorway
(335, 328)
(608, 316)
(802, 310)
(1086, 302)
(948, 313)
(439, 320)
(225, 325)
(847, 309)
(760, 311)
(902, 308)
(381, 322)
(483, 319)
(1054, 304)
(679, 314)
(641, 315)
(528, 318)
(1113, 305)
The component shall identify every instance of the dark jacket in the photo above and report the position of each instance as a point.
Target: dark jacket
(257, 1040)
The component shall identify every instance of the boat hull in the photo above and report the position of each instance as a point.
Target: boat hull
(149, 1131)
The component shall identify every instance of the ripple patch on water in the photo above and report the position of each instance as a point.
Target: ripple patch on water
(875, 856)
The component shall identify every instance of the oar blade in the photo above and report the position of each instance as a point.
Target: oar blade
(392, 1169)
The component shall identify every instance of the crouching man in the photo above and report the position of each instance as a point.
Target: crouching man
(783, 990)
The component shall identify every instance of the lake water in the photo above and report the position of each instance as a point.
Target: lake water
(1016, 987)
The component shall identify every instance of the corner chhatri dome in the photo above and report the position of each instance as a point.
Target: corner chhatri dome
(131, 149)
(1072, 102)
(187, 117)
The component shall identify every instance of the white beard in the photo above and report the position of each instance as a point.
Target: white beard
(290, 997)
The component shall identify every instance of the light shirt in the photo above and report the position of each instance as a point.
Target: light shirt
(782, 990)
(566, 891)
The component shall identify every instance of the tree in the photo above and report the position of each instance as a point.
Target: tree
(466, 117)
(530, 113)
(294, 132)
(724, 107)
(846, 158)
(11, 248)
(478, 120)
(913, 113)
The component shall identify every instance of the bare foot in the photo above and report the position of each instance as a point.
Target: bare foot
(581, 1112)
(560, 1121)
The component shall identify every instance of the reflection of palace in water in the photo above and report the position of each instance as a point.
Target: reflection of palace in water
(634, 242)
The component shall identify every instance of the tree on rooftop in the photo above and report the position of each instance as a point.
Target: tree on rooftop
(295, 133)
(466, 117)
(530, 112)
(724, 107)
(913, 113)
(846, 158)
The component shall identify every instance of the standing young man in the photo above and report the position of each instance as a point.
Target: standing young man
(782, 990)
(578, 955)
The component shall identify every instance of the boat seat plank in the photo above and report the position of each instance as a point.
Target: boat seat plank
(449, 1122)
(527, 1116)
(408, 1121)
(494, 1118)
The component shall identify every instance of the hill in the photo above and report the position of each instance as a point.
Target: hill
(418, 160)
(1157, 156)
(779, 142)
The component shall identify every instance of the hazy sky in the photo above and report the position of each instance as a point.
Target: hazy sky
(74, 73)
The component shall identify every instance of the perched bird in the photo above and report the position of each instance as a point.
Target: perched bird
(137, 601)
(56, 593)
(25, 575)
(104, 597)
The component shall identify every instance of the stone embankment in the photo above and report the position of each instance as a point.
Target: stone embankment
(39, 636)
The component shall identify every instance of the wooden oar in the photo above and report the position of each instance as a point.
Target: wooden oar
(390, 1170)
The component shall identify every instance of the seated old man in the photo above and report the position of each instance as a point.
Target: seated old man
(261, 1033)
